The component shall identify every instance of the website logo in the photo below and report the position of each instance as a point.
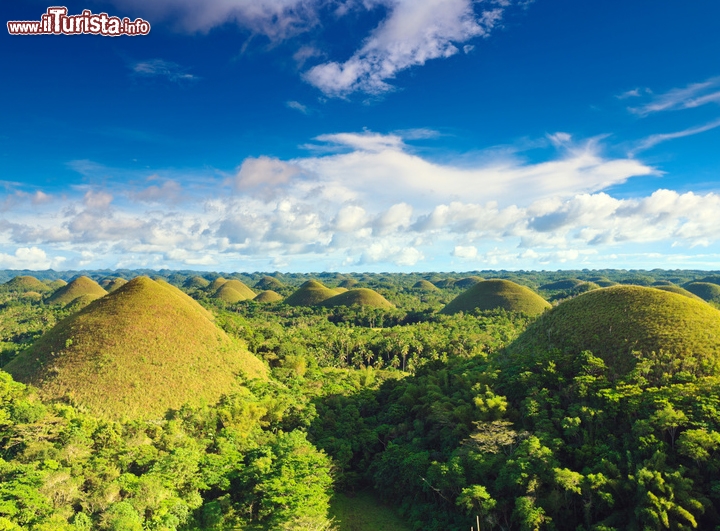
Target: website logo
(56, 21)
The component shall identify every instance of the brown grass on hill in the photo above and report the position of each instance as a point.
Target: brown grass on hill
(135, 353)
(77, 288)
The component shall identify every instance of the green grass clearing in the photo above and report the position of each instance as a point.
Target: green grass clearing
(363, 511)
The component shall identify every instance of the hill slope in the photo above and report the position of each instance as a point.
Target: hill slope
(268, 296)
(135, 353)
(705, 290)
(80, 287)
(497, 293)
(25, 283)
(310, 293)
(614, 322)
(358, 297)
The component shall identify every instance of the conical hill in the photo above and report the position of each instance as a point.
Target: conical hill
(25, 283)
(677, 289)
(229, 294)
(467, 282)
(135, 353)
(497, 293)
(705, 290)
(55, 284)
(268, 296)
(114, 283)
(310, 293)
(623, 324)
(79, 287)
(268, 283)
(240, 287)
(424, 285)
(358, 297)
(196, 282)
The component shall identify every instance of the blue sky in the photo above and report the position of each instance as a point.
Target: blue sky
(364, 135)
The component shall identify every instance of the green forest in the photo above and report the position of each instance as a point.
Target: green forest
(531, 400)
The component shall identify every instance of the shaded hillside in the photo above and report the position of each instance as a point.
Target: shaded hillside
(620, 323)
(80, 287)
(358, 297)
(467, 282)
(497, 293)
(707, 291)
(113, 284)
(672, 288)
(565, 284)
(55, 284)
(142, 349)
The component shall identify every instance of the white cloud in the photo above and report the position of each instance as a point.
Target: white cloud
(297, 106)
(373, 205)
(161, 68)
(693, 95)
(415, 31)
(169, 192)
(29, 258)
(656, 139)
(467, 252)
(263, 175)
(381, 169)
(276, 19)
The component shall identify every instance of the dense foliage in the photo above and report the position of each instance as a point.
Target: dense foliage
(430, 413)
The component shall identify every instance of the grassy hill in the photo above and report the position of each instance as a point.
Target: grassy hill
(672, 288)
(268, 283)
(268, 296)
(358, 297)
(240, 287)
(25, 283)
(348, 283)
(707, 291)
(310, 293)
(497, 293)
(467, 282)
(215, 284)
(424, 285)
(229, 294)
(614, 322)
(80, 287)
(196, 282)
(55, 284)
(135, 353)
(114, 283)
(568, 283)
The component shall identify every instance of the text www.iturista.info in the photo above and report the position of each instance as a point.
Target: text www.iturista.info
(56, 21)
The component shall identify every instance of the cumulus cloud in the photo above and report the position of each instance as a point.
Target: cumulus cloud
(169, 192)
(263, 175)
(374, 203)
(465, 251)
(29, 258)
(380, 168)
(414, 32)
